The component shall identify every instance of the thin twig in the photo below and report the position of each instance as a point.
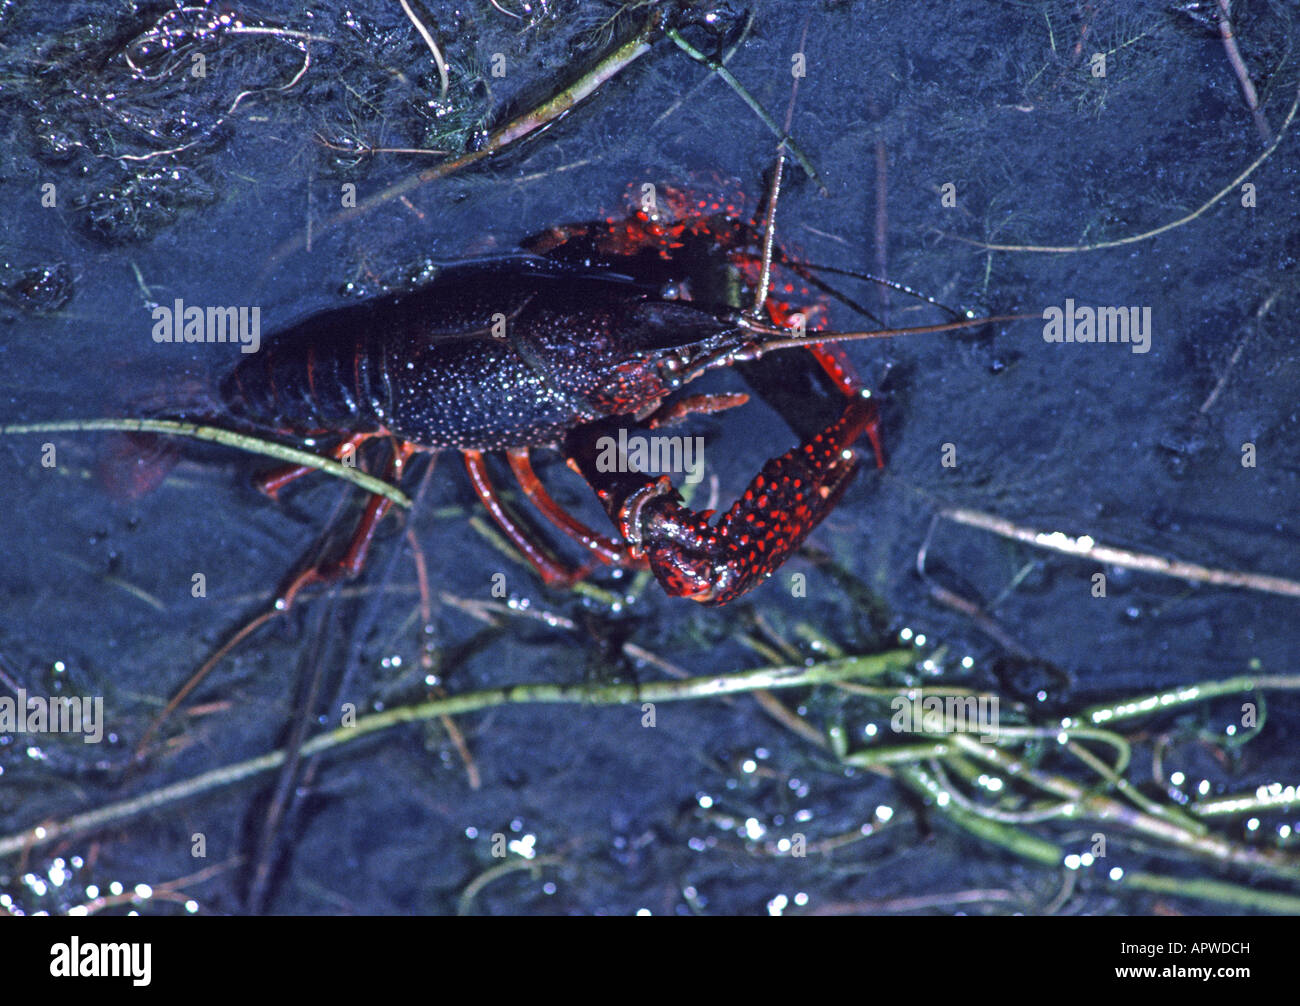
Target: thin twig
(1145, 235)
(512, 132)
(795, 150)
(472, 774)
(1239, 68)
(1213, 396)
(1085, 547)
(433, 47)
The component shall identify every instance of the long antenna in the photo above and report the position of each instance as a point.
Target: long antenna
(783, 340)
(769, 223)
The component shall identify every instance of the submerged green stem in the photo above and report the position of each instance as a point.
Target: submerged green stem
(228, 438)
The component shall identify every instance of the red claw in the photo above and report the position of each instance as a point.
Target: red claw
(715, 564)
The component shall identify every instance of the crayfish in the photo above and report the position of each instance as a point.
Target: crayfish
(589, 329)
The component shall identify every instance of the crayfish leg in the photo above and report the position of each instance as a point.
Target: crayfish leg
(354, 558)
(839, 368)
(553, 572)
(272, 482)
(694, 405)
(597, 545)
